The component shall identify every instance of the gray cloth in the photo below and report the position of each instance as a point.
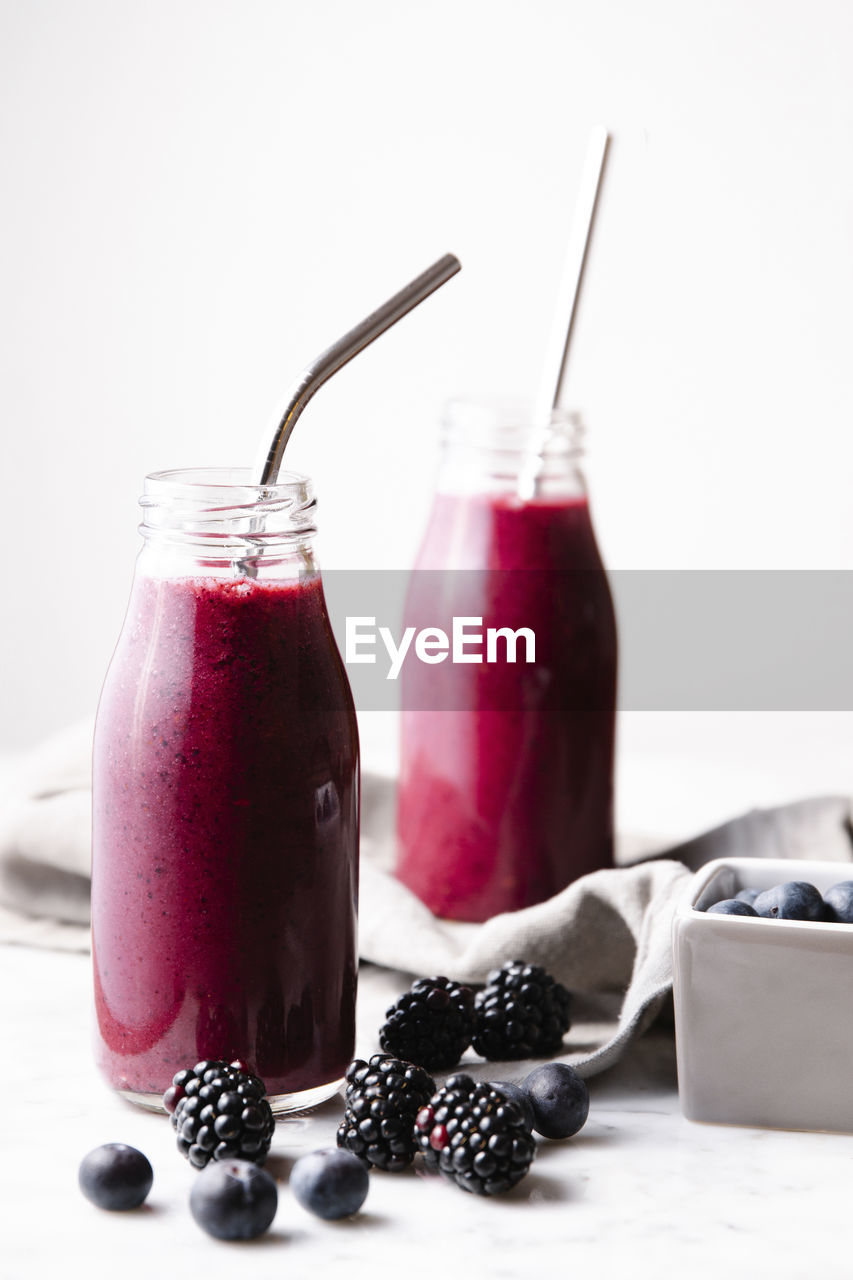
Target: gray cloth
(606, 937)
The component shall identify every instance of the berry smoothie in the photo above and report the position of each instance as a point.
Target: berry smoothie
(225, 837)
(506, 770)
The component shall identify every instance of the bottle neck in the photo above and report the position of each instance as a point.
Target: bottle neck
(215, 521)
(494, 447)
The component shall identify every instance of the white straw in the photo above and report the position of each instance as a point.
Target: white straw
(556, 359)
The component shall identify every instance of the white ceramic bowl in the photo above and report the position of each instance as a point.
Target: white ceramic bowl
(763, 1008)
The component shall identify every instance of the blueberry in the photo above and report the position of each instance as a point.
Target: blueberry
(514, 1093)
(747, 895)
(330, 1183)
(794, 900)
(732, 907)
(839, 902)
(559, 1098)
(233, 1199)
(115, 1176)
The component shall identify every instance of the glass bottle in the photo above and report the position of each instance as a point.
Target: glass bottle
(225, 801)
(506, 770)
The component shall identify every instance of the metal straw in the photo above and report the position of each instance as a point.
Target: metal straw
(554, 368)
(342, 351)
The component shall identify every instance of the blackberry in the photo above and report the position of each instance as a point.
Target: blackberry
(515, 1093)
(475, 1137)
(220, 1112)
(431, 1024)
(521, 1013)
(383, 1097)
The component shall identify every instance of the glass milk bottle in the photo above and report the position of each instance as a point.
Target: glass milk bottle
(506, 774)
(226, 797)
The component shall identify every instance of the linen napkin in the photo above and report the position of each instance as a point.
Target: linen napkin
(606, 936)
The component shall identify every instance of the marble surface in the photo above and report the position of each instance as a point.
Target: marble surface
(640, 1191)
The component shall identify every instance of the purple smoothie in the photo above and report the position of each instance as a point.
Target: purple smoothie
(225, 835)
(508, 797)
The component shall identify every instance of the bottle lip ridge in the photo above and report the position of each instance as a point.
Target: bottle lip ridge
(505, 423)
(192, 479)
(223, 503)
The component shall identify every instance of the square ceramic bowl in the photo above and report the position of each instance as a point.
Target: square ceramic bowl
(763, 1008)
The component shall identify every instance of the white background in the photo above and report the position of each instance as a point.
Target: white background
(198, 195)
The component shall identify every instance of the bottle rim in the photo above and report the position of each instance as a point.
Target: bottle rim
(507, 424)
(223, 504)
(193, 481)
